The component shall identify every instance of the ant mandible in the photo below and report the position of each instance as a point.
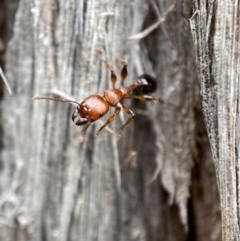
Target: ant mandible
(96, 106)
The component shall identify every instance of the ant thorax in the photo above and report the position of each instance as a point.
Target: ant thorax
(113, 96)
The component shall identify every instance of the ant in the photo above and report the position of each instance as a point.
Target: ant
(96, 106)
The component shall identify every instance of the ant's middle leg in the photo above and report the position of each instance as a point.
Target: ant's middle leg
(113, 74)
(124, 72)
(130, 119)
(109, 120)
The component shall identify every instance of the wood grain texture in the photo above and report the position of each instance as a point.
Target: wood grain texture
(54, 188)
(216, 35)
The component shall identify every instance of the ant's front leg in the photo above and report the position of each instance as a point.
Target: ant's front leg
(110, 119)
(82, 134)
(130, 119)
(81, 121)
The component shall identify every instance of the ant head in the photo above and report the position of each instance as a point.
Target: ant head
(80, 121)
(80, 116)
(76, 113)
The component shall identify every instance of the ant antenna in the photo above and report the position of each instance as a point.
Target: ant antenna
(54, 99)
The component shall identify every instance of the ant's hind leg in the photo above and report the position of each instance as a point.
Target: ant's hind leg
(113, 74)
(145, 98)
(109, 120)
(124, 72)
(130, 119)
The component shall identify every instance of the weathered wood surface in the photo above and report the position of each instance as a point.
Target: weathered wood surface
(52, 187)
(215, 29)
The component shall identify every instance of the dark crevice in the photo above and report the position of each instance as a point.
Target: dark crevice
(43, 227)
(191, 224)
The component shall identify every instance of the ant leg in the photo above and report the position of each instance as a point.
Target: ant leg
(109, 120)
(82, 134)
(130, 112)
(124, 72)
(145, 98)
(113, 74)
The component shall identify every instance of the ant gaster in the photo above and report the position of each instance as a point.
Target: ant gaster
(96, 106)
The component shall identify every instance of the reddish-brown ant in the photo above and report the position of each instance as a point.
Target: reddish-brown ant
(96, 106)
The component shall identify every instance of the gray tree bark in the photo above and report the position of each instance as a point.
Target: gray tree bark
(156, 182)
(216, 39)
